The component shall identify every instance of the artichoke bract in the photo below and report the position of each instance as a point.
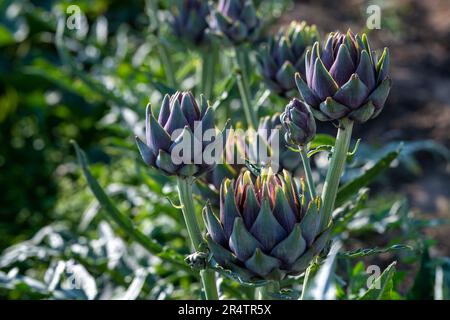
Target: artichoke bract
(299, 123)
(270, 128)
(345, 79)
(265, 230)
(189, 21)
(285, 55)
(181, 124)
(236, 21)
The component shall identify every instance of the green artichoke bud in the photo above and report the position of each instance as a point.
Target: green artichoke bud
(236, 21)
(265, 230)
(180, 128)
(285, 55)
(189, 22)
(299, 123)
(269, 129)
(345, 79)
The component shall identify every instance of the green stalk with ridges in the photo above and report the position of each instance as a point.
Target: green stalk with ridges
(335, 170)
(185, 193)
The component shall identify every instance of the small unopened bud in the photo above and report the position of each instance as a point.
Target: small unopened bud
(299, 123)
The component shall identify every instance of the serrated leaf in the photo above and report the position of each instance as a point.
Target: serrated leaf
(382, 287)
(364, 252)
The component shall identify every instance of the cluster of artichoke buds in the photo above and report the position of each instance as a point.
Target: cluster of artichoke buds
(345, 79)
(236, 21)
(176, 127)
(266, 230)
(299, 123)
(285, 55)
(189, 21)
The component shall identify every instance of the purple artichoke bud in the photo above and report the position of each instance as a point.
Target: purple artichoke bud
(189, 21)
(285, 55)
(345, 79)
(270, 128)
(299, 123)
(180, 128)
(236, 21)
(264, 230)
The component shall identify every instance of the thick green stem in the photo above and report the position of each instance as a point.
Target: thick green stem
(266, 292)
(308, 172)
(335, 170)
(185, 193)
(207, 80)
(244, 87)
(208, 277)
(168, 65)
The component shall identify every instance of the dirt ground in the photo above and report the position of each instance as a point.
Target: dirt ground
(418, 36)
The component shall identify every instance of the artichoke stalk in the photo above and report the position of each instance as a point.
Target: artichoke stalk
(265, 229)
(285, 55)
(300, 127)
(345, 79)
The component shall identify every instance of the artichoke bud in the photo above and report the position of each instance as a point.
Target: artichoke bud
(174, 142)
(299, 123)
(345, 79)
(285, 55)
(236, 21)
(264, 231)
(188, 21)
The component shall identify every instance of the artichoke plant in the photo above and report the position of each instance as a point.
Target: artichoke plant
(265, 229)
(189, 22)
(299, 123)
(345, 79)
(285, 55)
(178, 118)
(236, 21)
